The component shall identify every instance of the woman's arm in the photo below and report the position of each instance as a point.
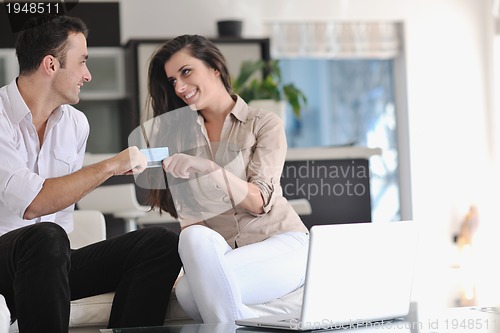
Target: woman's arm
(257, 192)
(243, 193)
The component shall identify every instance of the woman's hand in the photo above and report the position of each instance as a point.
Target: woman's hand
(182, 165)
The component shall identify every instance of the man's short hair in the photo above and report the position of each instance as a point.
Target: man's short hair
(45, 35)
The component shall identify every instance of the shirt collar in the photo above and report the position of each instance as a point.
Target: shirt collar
(19, 110)
(239, 111)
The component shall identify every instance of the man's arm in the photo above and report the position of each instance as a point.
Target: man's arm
(60, 192)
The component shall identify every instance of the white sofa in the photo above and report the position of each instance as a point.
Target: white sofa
(90, 313)
(4, 316)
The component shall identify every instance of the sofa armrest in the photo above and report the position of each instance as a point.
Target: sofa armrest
(89, 226)
(4, 316)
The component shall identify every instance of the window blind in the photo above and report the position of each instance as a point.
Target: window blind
(334, 40)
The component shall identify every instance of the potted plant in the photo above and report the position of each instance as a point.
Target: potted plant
(254, 89)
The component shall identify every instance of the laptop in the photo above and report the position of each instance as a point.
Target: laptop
(357, 274)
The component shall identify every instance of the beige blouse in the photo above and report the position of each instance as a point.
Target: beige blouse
(253, 147)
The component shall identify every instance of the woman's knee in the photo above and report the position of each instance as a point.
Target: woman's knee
(190, 235)
(197, 238)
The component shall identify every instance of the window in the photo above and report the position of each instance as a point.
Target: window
(347, 71)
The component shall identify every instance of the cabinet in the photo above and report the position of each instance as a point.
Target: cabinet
(106, 65)
(103, 99)
(9, 68)
(335, 181)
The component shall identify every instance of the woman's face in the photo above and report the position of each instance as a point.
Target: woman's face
(193, 81)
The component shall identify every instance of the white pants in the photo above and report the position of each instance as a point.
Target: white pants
(4, 316)
(220, 282)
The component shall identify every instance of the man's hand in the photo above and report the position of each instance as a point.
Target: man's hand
(129, 161)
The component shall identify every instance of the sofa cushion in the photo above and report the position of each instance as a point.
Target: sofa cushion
(94, 311)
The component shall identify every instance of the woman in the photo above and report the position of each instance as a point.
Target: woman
(241, 242)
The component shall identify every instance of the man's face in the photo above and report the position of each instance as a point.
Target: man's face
(70, 79)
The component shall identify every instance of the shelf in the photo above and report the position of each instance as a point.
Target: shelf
(106, 65)
(9, 68)
(331, 153)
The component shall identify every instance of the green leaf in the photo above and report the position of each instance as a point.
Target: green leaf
(250, 86)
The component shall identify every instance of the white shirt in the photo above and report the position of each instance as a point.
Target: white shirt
(24, 166)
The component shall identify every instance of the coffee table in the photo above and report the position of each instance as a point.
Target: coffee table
(437, 320)
(177, 328)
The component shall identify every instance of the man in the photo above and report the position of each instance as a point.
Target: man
(42, 147)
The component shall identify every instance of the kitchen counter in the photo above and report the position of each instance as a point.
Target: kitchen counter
(326, 153)
(335, 181)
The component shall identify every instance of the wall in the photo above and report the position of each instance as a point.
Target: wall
(449, 65)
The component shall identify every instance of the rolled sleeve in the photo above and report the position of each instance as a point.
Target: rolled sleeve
(268, 158)
(269, 194)
(20, 190)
